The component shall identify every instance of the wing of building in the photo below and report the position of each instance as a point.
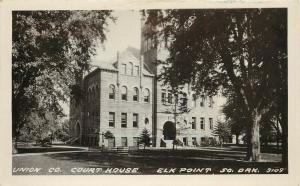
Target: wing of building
(124, 97)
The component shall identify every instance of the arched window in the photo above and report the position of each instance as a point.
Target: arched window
(135, 96)
(136, 71)
(130, 68)
(146, 95)
(124, 93)
(111, 92)
(123, 70)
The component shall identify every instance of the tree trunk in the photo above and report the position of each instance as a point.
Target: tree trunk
(284, 146)
(284, 142)
(173, 145)
(15, 145)
(248, 141)
(255, 141)
(253, 137)
(237, 139)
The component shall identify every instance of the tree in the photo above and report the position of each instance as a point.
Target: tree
(222, 131)
(108, 135)
(271, 127)
(243, 51)
(50, 52)
(62, 132)
(176, 107)
(40, 127)
(235, 116)
(145, 138)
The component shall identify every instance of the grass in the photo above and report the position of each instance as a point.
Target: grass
(148, 161)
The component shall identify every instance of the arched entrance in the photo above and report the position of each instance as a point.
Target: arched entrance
(77, 130)
(169, 131)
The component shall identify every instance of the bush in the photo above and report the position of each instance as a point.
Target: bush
(209, 142)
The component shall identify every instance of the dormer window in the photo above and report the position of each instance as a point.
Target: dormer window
(130, 69)
(123, 69)
(136, 71)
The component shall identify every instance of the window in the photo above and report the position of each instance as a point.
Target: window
(176, 98)
(184, 100)
(130, 69)
(193, 122)
(136, 70)
(111, 119)
(124, 141)
(146, 121)
(124, 93)
(202, 123)
(211, 101)
(170, 97)
(135, 96)
(135, 141)
(111, 92)
(163, 95)
(211, 123)
(194, 140)
(135, 120)
(202, 101)
(123, 70)
(147, 96)
(185, 141)
(123, 120)
(194, 100)
(202, 139)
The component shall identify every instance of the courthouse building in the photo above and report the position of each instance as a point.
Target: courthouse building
(125, 97)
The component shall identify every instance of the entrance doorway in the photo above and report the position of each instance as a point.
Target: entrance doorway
(169, 131)
(111, 142)
(77, 130)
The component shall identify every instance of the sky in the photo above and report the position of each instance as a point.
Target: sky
(125, 32)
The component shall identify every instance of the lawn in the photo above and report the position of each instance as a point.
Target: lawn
(148, 161)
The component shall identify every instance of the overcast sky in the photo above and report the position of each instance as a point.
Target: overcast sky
(125, 32)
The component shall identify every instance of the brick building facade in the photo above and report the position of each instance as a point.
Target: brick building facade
(125, 97)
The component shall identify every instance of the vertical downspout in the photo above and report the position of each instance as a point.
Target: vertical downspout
(141, 71)
(100, 116)
(119, 68)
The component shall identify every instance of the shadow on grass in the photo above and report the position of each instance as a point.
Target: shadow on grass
(44, 149)
(156, 159)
